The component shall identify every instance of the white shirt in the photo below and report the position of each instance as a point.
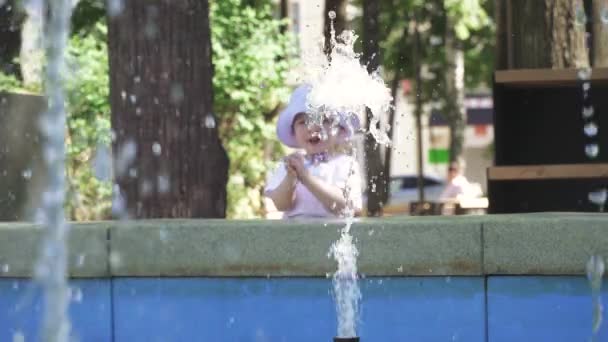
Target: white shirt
(341, 171)
(459, 186)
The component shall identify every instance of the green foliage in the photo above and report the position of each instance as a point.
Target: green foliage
(249, 56)
(10, 83)
(88, 122)
(473, 26)
(250, 69)
(468, 15)
(88, 119)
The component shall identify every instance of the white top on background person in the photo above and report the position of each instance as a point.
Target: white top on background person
(321, 180)
(458, 186)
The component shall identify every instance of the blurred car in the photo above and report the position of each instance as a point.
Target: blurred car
(404, 189)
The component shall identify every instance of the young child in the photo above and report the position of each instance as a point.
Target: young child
(323, 181)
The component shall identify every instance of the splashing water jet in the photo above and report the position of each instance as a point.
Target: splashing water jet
(341, 86)
(51, 270)
(595, 271)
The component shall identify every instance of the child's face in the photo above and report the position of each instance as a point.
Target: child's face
(310, 137)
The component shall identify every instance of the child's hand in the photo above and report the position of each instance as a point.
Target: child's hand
(295, 161)
(291, 172)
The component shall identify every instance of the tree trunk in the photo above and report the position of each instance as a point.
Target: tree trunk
(31, 56)
(375, 175)
(161, 98)
(418, 108)
(568, 48)
(339, 7)
(542, 34)
(454, 110)
(10, 37)
(600, 33)
(284, 13)
(388, 152)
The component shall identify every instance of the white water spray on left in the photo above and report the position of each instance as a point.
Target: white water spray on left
(51, 269)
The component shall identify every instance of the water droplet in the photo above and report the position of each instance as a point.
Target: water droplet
(580, 15)
(156, 149)
(27, 174)
(595, 267)
(176, 94)
(133, 172)
(209, 121)
(162, 235)
(77, 295)
(115, 7)
(592, 150)
(18, 336)
(102, 166)
(80, 260)
(136, 79)
(123, 95)
(371, 232)
(598, 197)
(435, 40)
(119, 203)
(6, 268)
(584, 74)
(604, 14)
(133, 98)
(115, 259)
(588, 112)
(163, 184)
(138, 111)
(590, 129)
(230, 322)
(400, 269)
(126, 155)
(15, 285)
(331, 15)
(586, 86)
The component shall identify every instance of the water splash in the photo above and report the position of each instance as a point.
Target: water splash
(588, 112)
(592, 150)
(209, 121)
(156, 148)
(584, 74)
(346, 289)
(341, 88)
(51, 270)
(115, 7)
(590, 129)
(18, 336)
(598, 197)
(595, 271)
(340, 84)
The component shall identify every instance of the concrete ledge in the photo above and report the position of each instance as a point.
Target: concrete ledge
(542, 244)
(88, 249)
(298, 248)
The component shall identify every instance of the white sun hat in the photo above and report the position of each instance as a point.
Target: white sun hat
(298, 103)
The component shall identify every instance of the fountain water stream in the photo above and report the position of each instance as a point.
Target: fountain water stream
(51, 269)
(339, 85)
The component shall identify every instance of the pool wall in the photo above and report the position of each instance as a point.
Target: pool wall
(475, 278)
